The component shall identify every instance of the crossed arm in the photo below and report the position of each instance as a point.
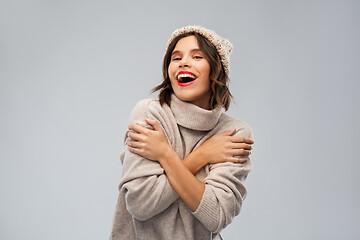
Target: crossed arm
(221, 148)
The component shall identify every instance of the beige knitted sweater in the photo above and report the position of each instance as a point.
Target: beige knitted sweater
(149, 208)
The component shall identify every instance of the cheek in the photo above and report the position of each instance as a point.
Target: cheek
(171, 74)
(205, 68)
(208, 81)
(207, 74)
(208, 69)
(171, 71)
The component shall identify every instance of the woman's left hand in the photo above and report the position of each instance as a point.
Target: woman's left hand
(148, 143)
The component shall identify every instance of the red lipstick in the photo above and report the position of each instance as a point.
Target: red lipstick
(185, 78)
(185, 72)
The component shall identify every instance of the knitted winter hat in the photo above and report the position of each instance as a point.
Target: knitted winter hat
(223, 46)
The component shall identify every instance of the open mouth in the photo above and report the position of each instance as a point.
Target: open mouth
(185, 78)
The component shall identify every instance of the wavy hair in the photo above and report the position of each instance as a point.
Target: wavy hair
(220, 95)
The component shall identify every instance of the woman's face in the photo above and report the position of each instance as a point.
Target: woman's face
(189, 72)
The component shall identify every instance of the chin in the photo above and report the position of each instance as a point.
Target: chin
(191, 94)
(184, 97)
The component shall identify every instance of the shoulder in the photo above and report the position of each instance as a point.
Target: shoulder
(149, 108)
(145, 106)
(242, 128)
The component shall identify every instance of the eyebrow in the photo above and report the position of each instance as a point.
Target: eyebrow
(192, 50)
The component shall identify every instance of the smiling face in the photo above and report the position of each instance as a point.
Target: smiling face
(189, 72)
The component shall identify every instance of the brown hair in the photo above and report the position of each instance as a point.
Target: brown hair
(220, 95)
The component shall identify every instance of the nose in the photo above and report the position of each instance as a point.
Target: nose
(184, 62)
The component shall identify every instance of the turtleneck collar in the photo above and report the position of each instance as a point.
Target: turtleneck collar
(191, 116)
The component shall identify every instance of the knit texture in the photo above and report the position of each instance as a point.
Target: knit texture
(222, 45)
(149, 208)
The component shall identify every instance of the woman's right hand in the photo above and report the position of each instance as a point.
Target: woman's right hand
(224, 147)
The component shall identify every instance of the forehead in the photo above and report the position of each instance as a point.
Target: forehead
(186, 44)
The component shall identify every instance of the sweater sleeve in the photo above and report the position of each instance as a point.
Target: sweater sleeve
(224, 192)
(144, 183)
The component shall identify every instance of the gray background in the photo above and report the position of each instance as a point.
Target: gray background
(71, 71)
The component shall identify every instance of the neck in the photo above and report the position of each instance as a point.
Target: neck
(203, 103)
(192, 116)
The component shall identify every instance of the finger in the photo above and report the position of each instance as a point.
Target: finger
(237, 159)
(135, 150)
(242, 146)
(154, 123)
(242, 140)
(228, 133)
(138, 128)
(136, 136)
(134, 144)
(243, 152)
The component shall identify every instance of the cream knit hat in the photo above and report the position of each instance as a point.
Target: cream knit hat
(223, 46)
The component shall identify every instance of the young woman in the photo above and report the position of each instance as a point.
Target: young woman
(185, 161)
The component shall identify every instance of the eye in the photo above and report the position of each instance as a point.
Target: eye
(176, 58)
(198, 57)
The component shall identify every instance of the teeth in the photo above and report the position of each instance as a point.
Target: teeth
(183, 75)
